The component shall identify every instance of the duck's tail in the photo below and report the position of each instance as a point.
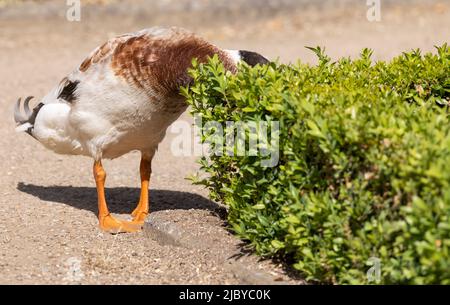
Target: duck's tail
(47, 123)
(25, 122)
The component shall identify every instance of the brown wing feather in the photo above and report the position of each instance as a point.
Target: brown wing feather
(156, 62)
(159, 63)
(103, 52)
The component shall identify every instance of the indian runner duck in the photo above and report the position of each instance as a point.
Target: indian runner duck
(122, 98)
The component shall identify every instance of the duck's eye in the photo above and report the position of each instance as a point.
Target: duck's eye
(68, 91)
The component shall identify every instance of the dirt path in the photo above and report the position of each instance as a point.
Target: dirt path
(48, 202)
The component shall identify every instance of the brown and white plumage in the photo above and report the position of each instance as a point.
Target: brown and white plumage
(122, 97)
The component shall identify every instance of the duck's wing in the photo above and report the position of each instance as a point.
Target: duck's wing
(154, 60)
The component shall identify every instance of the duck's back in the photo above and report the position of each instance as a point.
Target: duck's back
(154, 61)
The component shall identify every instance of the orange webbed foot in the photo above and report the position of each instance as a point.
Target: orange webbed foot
(139, 216)
(115, 226)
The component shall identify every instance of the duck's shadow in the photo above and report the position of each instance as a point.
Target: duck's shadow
(120, 200)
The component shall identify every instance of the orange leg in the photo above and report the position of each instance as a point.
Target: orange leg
(140, 213)
(106, 221)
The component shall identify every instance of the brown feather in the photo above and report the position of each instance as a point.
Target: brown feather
(157, 64)
(161, 64)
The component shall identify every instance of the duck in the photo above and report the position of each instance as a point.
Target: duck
(122, 98)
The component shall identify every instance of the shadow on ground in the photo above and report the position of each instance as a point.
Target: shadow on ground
(121, 200)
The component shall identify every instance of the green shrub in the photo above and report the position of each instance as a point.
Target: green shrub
(364, 166)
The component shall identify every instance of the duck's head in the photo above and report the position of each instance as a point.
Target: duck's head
(253, 58)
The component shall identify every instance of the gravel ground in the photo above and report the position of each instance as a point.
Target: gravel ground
(48, 225)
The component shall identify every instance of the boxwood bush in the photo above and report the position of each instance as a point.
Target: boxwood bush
(364, 165)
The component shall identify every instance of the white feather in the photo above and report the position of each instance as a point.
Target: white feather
(52, 130)
(234, 55)
(23, 127)
(109, 118)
